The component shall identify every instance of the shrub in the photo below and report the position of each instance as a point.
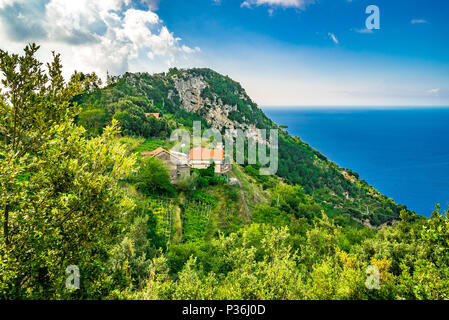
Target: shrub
(153, 177)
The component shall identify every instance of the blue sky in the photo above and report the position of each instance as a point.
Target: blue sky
(284, 52)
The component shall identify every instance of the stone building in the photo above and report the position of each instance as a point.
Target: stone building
(200, 158)
(179, 164)
(176, 162)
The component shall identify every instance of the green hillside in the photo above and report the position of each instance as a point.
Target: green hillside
(128, 98)
(75, 192)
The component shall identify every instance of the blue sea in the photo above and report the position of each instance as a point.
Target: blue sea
(403, 153)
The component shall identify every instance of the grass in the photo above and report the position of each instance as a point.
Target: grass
(253, 190)
(152, 144)
(131, 143)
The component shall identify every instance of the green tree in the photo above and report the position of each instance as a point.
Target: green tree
(270, 215)
(153, 178)
(132, 118)
(59, 196)
(436, 233)
(93, 120)
(33, 101)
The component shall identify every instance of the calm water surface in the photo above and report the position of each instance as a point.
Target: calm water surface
(402, 153)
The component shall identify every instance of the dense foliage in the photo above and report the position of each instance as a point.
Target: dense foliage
(79, 196)
(127, 98)
(60, 204)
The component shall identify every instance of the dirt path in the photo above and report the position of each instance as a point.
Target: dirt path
(242, 197)
(177, 221)
(245, 205)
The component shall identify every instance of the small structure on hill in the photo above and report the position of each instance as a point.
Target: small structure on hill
(156, 115)
(234, 182)
(347, 176)
(200, 158)
(179, 164)
(176, 162)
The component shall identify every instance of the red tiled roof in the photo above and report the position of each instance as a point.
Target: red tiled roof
(154, 152)
(199, 153)
(159, 151)
(347, 176)
(156, 115)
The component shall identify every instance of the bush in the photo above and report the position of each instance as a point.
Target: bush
(94, 120)
(187, 183)
(270, 215)
(153, 177)
(201, 196)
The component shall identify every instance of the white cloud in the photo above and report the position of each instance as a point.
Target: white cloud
(419, 21)
(5, 3)
(333, 37)
(434, 92)
(100, 36)
(190, 50)
(152, 4)
(300, 4)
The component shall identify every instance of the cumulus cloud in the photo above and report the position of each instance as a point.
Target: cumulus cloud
(5, 3)
(100, 36)
(190, 50)
(300, 4)
(152, 4)
(22, 19)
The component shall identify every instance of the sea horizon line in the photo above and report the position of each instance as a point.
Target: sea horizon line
(349, 107)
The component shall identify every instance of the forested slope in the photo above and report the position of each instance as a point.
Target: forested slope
(182, 96)
(75, 193)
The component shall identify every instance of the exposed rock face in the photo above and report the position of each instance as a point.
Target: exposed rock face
(189, 91)
(190, 88)
(224, 105)
(214, 112)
